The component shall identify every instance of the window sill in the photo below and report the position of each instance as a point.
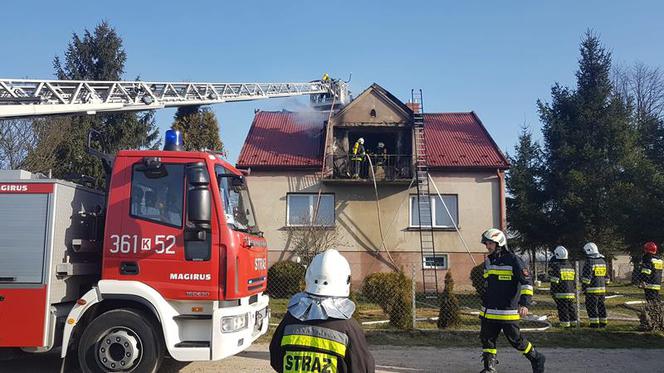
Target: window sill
(435, 229)
(306, 227)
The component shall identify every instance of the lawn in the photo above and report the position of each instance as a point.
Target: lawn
(622, 332)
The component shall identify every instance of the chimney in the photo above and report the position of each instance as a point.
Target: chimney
(414, 106)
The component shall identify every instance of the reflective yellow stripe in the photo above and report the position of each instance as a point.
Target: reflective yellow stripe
(492, 316)
(499, 272)
(555, 280)
(315, 342)
(653, 287)
(527, 350)
(585, 280)
(490, 350)
(526, 292)
(646, 271)
(595, 290)
(564, 296)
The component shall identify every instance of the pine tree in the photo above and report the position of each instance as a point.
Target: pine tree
(97, 55)
(449, 305)
(589, 145)
(199, 128)
(527, 218)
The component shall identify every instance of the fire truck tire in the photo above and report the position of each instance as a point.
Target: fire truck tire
(121, 340)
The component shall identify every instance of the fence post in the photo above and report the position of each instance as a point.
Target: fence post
(578, 294)
(414, 288)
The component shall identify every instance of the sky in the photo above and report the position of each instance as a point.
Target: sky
(496, 58)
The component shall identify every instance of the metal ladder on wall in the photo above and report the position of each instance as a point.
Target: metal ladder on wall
(424, 208)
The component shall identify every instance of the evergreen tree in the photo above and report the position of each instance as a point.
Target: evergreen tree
(449, 313)
(199, 127)
(97, 55)
(527, 218)
(589, 147)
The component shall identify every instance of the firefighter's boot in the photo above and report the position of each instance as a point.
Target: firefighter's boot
(490, 362)
(536, 360)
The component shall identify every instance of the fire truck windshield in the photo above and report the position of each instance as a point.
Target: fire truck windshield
(238, 209)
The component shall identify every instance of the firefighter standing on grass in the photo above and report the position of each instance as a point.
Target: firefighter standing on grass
(563, 286)
(650, 279)
(593, 280)
(318, 333)
(506, 299)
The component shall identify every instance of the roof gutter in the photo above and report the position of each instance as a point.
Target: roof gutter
(501, 199)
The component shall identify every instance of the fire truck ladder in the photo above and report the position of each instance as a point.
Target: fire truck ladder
(26, 97)
(425, 214)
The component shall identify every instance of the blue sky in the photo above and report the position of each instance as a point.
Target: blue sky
(494, 57)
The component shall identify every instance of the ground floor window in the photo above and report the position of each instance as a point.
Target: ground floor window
(438, 261)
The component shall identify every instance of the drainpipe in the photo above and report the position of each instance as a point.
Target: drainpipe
(501, 199)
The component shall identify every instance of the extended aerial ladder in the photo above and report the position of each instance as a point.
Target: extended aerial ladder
(31, 97)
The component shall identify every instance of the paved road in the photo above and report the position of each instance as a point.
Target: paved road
(409, 360)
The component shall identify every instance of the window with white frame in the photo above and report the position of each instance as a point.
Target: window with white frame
(438, 261)
(301, 209)
(440, 215)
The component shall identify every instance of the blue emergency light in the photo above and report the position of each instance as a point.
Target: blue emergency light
(173, 140)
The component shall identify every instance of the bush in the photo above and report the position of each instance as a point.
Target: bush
(449, 305)
(393, 293)
(477, 278)
(285, 279)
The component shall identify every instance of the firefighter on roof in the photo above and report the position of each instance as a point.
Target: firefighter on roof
(506, 299)
(317, 333)
(593, 280)
(563, 286)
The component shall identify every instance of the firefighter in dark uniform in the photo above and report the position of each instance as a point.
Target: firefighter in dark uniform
(506, 299)
(562, 276)
(357, 156)
(318, 333)
(650, 279)
(593, 280)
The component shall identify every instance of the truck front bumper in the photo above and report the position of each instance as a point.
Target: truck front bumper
(230, 334)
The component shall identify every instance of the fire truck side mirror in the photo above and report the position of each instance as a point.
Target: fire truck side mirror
(199, 197)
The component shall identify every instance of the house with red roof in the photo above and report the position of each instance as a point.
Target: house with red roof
(303, 175)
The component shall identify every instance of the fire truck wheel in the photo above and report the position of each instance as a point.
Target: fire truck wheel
(121, 340)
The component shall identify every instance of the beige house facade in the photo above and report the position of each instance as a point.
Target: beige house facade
(299, 177)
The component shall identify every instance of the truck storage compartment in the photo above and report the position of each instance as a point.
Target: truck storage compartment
(22, 238)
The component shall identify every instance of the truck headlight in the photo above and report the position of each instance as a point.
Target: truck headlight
(230, 324)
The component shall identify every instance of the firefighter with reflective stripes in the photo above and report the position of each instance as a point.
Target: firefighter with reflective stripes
(506, 299)
(357, 156)
(593, 280)
(318, 333)
(650, 279)
(562, 276)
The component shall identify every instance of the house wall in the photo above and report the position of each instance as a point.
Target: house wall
(357, 223)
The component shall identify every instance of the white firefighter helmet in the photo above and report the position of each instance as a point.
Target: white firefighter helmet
(328, 275)
(591, 249)
(560, 252)
(361, 140)
(494, 235)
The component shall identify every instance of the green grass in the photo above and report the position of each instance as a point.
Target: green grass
(619, 334)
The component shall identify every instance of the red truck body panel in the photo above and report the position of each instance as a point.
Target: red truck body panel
(236, 267)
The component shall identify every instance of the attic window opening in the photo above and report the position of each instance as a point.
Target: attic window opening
(372, 113)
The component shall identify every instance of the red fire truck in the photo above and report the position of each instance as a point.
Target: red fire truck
(168, 260)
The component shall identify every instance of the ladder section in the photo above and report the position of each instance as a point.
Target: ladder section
(424, 208)
(24, 97)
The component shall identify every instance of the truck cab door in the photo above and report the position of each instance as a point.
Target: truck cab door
(165, 241)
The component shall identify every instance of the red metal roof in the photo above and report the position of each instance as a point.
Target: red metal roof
(295, 140)
(284, 139)
(459, 140)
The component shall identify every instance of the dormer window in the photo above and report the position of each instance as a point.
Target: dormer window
(372, 113)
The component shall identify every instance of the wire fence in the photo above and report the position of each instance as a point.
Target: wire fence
(395, 301)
